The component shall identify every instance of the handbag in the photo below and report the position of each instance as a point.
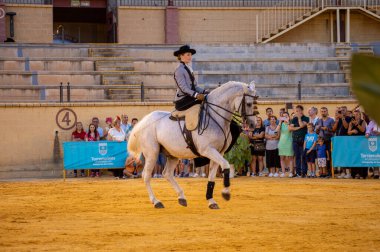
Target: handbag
(259, 146)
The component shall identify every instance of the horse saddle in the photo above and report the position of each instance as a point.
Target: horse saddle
(191, 116)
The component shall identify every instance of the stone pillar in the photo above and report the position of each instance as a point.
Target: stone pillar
(2, 22)
(337, 26)
(171, 25)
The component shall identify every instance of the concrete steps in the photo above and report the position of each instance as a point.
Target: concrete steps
(113, 65)
(308, 91)
(130, 94)
(165, 52)
(284, 77)
(129, 66)
(159, 78)
(28, 93)
(268, 65)
(107, 52)
(345, 52)
(71, 65)
(62, 64)
(49, 77)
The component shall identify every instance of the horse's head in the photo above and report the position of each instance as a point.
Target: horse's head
(247, 103)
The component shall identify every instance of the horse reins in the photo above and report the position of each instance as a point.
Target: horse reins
(202, 127)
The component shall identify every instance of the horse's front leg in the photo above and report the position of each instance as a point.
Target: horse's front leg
(211, 184)
(215, 156)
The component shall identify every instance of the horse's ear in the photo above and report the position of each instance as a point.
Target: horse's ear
(252, 86)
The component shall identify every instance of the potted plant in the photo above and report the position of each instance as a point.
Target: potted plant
(239, 153)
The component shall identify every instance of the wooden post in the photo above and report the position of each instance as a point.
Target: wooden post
(63, 172)
(332, 164)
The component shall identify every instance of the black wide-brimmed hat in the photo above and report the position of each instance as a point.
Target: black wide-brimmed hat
(184, 49)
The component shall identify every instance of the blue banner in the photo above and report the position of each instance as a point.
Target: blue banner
(94, 155)
(356, 151)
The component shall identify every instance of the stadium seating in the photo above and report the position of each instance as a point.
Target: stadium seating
(33, 72)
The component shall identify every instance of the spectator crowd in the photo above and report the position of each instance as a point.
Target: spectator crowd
(288, 145)
(117, 129)
(299, 145)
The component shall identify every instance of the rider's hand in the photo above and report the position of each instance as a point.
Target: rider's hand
(200, 97)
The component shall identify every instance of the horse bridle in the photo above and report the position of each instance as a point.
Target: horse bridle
(203, 125)
(243, 115)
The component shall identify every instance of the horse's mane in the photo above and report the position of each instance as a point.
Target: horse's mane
(228, 87)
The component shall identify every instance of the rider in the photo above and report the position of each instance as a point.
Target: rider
(188, 92)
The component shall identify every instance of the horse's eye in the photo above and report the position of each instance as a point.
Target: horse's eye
(249, 104)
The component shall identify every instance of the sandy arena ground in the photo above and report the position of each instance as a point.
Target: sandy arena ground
(263, 215)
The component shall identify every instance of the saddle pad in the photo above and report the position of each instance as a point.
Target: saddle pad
(191, 116)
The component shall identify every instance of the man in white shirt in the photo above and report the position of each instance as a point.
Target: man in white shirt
(313, 111)
(124, 124)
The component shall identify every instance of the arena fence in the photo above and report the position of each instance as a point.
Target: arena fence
(359, 151)
(94, 155)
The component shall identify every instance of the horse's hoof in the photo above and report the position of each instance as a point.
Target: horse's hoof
(213, 206)
(182, 202)
(159, 205)
(226, 196)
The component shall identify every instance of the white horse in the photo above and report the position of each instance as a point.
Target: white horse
(157, 132)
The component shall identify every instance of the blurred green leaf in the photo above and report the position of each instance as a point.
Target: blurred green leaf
(366, 83)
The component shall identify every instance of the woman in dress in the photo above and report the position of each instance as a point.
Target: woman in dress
(92, 136)
(271, 153)
(285, 145)
(257, 137)
(78, 135)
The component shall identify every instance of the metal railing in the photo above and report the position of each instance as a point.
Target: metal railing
(287, 13)
(71, 93)
(65, 92)
(248, 3)
(201, 3)
(37, 2)
(143, 2)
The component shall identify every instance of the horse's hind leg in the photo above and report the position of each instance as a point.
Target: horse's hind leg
(168, 174)
(147, 176)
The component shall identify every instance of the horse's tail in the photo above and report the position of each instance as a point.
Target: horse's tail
(133, 141)
(139, 131)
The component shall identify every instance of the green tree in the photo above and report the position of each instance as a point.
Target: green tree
(239, 152)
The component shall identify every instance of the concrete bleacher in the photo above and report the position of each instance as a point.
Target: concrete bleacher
(33, 72)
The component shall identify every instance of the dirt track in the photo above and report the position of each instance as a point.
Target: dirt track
(263, 214)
